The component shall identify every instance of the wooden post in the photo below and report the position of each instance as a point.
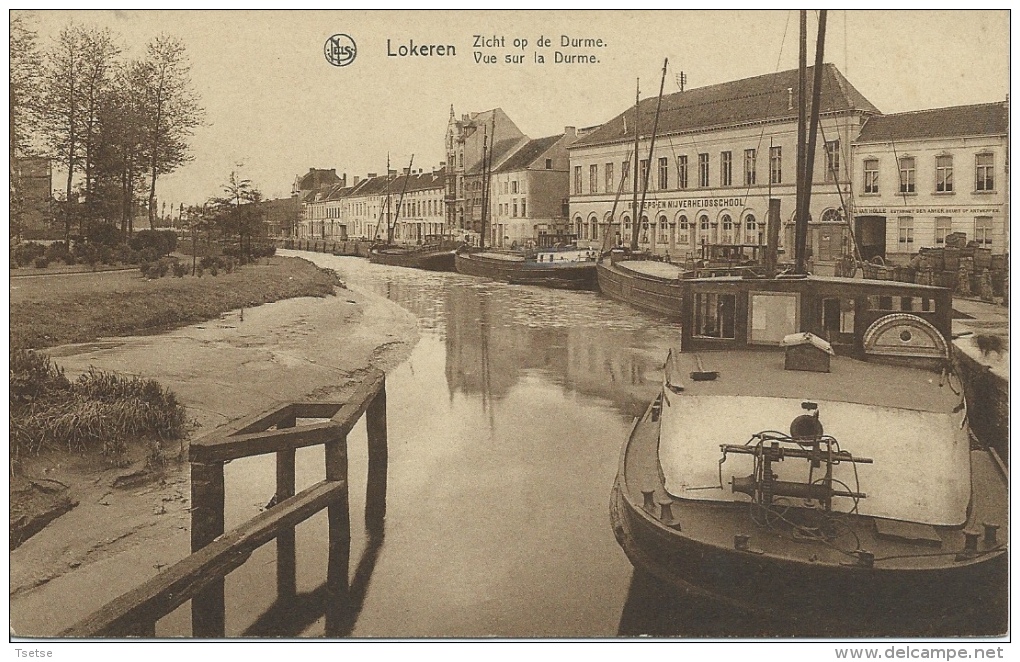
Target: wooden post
(378, 452)
(286, 547)
(339, 517)
(207, 607)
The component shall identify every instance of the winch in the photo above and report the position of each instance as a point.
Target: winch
(806, 441)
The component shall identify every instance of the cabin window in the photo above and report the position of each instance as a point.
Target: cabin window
(773, 316)
(714, 315)
(900, 304)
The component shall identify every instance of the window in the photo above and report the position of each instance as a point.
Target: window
(726, 169)
(832, 161)
(681, 171)
(714, 315)
(548, 164)
(944, 174)
(727, 222)
(907, 173)
(750, 166)
(594, 229)
(776, 165)
(751, 229)
(703, 170)
(644, 173)
(906, 231)
(871, 176)
(577, 180)
(682, 228)
(624, 173)
(663, 173)
(524, 207)
(983, 230)
(703, 221)
(943, 227)
(593, 179)
(983, 165)
(663, 229)
(515, 208)
(609, 178)
(513, 187)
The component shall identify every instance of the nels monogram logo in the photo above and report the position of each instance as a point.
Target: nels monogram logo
(340, 50)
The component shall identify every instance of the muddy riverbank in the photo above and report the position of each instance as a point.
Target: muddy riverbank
(127, 526)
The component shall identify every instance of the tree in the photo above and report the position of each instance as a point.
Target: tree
(171, 110)
(238, 211)
(97, 65)
(25, 65)
(61, 106)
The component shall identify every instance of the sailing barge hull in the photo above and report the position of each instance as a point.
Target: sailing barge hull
(566, 275)
(437, 260)
(645, 292)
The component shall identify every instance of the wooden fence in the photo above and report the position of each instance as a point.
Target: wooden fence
(200, 576)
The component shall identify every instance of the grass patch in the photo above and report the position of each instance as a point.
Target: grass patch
(71, 309)
(99, 411)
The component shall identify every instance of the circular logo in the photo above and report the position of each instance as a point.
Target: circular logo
(340, 50)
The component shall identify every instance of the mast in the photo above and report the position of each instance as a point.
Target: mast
(485, 148)
(808, 149)
(487, 182)
(800, 227)
(637, 134)
(655, 129)
(400, 201)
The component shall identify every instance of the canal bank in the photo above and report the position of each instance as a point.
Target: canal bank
(981, 339)
(126, 527)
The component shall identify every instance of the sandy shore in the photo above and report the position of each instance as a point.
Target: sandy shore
(125, 528)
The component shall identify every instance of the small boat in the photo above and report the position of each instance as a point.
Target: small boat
(436, 254)
(808, 458)
(564, 268)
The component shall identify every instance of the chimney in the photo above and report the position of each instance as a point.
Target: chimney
(442, 164)
(570, 131)
(356, 180)
(372, 175)
(392, 173)
(332, 171)
(343, 180)
(407, 171)
(789, 98)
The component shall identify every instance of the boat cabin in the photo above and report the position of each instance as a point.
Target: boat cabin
(856, 317)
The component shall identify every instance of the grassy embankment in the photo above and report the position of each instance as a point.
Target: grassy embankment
(104, 412)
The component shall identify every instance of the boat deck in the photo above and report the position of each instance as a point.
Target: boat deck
(651, 268)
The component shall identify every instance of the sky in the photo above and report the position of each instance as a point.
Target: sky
(276, 107)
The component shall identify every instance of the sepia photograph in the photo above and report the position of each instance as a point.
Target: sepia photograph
(505, 326)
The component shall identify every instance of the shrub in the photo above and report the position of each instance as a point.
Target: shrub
(57, 251)
(144, 268)
(149, 254)
(105, 234)
(41, 262)
(180, 270)
(126, 255)
(33, 374)
(26, 253)
(214, 271)
(163, 242)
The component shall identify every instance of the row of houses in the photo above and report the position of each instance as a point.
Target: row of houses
(886, 185)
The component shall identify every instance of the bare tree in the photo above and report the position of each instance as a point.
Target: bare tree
(171, 109)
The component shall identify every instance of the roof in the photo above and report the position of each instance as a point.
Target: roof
(526, 155)
(750, 100)
(983, 119)
(500, 150)
(387, 185)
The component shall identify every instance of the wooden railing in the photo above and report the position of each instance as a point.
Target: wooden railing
(200, 576)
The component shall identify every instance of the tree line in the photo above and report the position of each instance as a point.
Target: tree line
(114, 124)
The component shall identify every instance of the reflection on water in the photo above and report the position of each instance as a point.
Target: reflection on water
(505, 427)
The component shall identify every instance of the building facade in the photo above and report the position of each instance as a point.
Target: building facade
(721, 152)
(528, 191)
(920, 176)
